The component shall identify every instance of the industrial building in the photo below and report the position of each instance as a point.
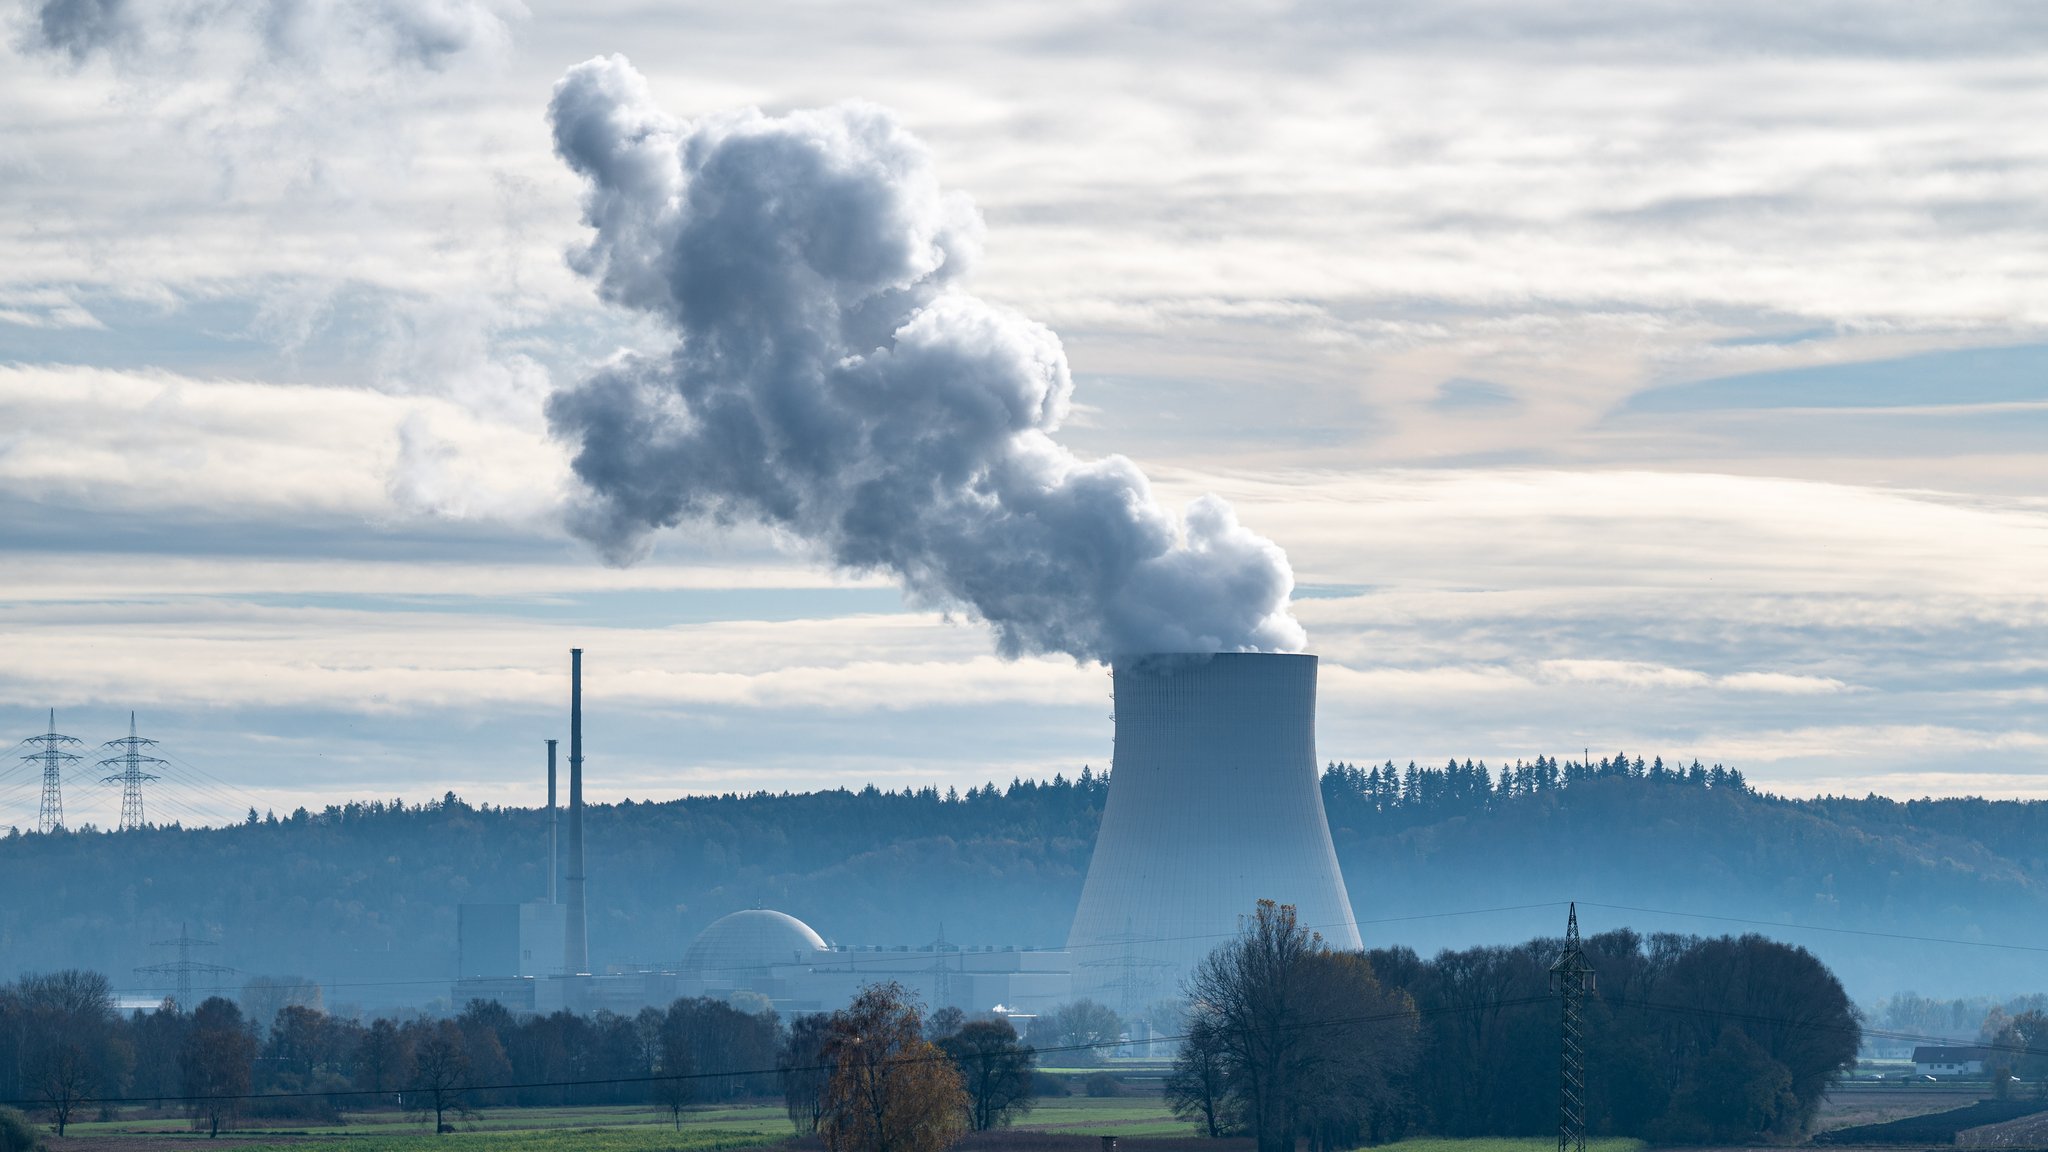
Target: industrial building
(771, 959)
(1214, 804)
(781, 959)
(534, 957)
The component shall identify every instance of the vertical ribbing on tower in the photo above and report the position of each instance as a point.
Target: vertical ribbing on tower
(1571, 977)
(51, 755)
(576, 945)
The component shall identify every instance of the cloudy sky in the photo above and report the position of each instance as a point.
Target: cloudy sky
(1659, 377)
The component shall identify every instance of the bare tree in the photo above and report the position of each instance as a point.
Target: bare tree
(1309, 1041)
(1198, 1088)
(440, 1073)
(805, 1076)
(218, 1062)
(68, 1025)
(64, 1074)
(677, 1087)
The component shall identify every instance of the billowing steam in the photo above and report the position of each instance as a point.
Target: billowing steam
(832, 381)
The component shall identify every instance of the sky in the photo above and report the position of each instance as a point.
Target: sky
(1650, 377)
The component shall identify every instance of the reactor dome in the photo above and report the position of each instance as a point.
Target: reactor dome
(745, 943)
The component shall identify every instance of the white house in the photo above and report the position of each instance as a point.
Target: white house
(1949, 1062)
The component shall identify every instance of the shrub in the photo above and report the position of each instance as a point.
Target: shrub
(1102, 1084)
(16, 1133)
(1049, 1084)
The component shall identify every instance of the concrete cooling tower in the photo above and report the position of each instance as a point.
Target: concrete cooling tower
(1213, 805)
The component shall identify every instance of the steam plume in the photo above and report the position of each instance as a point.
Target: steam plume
(831, 380)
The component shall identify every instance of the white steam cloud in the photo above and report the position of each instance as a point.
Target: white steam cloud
(832, 381)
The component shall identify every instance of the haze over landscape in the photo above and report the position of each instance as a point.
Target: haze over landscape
(896, 577)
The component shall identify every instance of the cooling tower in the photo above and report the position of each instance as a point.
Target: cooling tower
(1214, 804)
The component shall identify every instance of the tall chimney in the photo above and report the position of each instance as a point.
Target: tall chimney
(576, 946)
(554, 854)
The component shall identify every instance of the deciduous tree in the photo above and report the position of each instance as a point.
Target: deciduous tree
(440, 1072)
(218, 1061)
(995, 1071)
(891, 1089)
(804, 1073)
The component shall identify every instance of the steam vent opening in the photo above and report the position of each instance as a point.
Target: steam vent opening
(1214, 804)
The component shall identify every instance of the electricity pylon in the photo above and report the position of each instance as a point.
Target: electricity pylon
(51, 755)
(1136, 976)
(184, 967)
(1571, 977)
(942, 976)
(130, 776)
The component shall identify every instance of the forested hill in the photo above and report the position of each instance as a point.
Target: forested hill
(363, 895)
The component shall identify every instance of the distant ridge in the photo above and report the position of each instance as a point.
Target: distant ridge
(362, 895)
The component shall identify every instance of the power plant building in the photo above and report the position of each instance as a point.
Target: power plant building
(510, 939)
(1214, 804)
(766, 957)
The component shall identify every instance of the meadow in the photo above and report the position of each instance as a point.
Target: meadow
(1139, 1119)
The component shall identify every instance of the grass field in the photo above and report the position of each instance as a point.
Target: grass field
(644, 1129)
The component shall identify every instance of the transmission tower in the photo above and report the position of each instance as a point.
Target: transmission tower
(184, 967)
(129, 762)
(942, 976)
(1571, 977)
(1137, 977)
(51, 755)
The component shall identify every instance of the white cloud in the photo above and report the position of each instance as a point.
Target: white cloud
(228, 449)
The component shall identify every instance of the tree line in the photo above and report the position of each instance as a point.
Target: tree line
(365, 894)
(1688, 1040)
(1472, 786)
(66, 1054)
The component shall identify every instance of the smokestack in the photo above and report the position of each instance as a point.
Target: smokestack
(576, 945)
(1214, 804)
(554, 854)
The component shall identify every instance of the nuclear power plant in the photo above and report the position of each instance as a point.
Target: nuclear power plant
(1214, 805)
(535, 956)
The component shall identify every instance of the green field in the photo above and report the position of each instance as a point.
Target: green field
(645, 1129)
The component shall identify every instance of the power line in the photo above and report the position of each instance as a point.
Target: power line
(1820, 928)
(855, 960)
(882, 960)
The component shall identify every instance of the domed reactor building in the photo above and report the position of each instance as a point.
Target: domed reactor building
(1214, 804)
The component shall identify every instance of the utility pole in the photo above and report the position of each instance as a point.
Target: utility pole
(1571, 978)
(130, 776)
(51, 755)
(184, 967)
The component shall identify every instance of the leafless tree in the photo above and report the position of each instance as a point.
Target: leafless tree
(217, 1062)
(1309, 1040)
(440, 1073)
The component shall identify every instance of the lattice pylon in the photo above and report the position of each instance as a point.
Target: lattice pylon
(130, 776)
(1572, 979)
(51, 755)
